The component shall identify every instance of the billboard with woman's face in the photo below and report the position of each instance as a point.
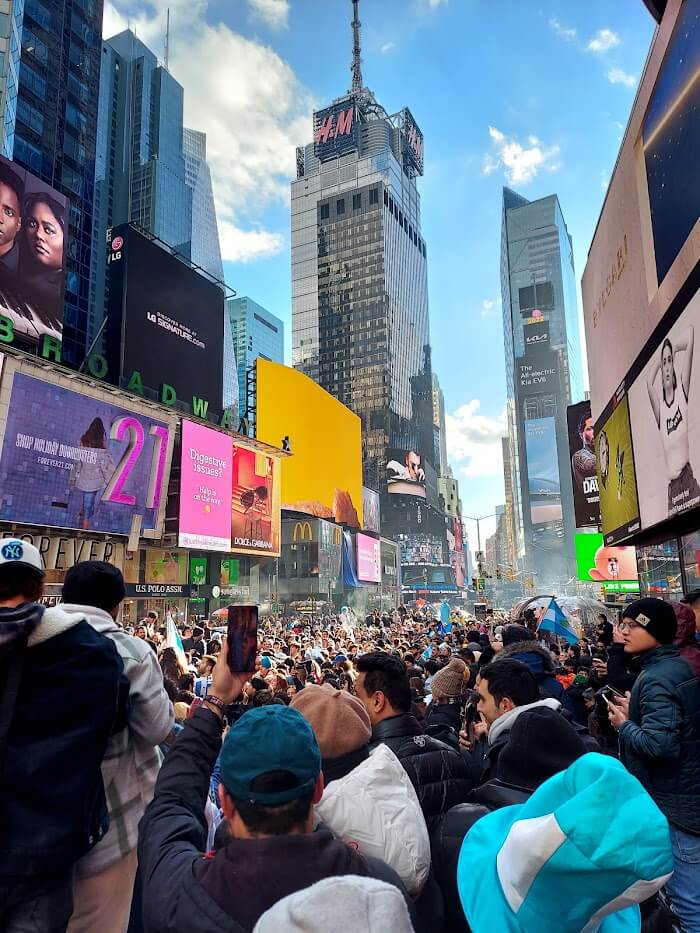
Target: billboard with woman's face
(33, 245)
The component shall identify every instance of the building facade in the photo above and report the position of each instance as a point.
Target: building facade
(543, 376)
(439, 431)
(205, 250)
(254, 332)
(140, 171)
(49, 79)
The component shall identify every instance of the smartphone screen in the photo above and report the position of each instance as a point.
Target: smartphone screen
(242, 635)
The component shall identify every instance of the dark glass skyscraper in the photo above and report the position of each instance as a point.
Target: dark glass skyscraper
(49, 90)
(359, 290)
(543, 376)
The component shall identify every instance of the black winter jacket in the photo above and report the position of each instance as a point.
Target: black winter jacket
(226, 891)
(438, 773)
(72, 694)
(447, 836)
(660, 742)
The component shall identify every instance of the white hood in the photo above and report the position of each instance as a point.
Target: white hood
(100, 620)
(54, 622)
(375, 809)
(505, 722)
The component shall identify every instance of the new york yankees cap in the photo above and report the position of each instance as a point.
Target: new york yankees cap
(16, 551)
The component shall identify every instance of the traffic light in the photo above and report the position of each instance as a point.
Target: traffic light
(481, 584)
(498, 573)
(474, 582)
(510, 576)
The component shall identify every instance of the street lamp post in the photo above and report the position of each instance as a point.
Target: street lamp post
(478, 521)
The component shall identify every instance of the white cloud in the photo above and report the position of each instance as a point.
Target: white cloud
(603, 41)
(387, 47)
(488, 304)
(618, 76)
(564, 32)
(434, 4)
(604, 180)
(274, 12)
(248, 101)
(520, 163)
(474, 440)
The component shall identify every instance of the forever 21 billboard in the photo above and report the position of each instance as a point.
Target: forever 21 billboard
(166, 325)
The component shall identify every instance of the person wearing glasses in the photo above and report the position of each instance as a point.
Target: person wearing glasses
(659, 731)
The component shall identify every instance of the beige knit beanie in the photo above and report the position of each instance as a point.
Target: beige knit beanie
(449, 682)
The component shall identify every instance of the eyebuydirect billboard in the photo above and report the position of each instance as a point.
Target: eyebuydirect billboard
(664, 402)
(369, 560)
(543, 471)
(166, 327)
(33, 246)
(584, 473)
(336, 130)
(614, 567)
(73, 460)
(206, 481)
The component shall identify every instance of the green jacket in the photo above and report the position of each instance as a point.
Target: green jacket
(660, 743)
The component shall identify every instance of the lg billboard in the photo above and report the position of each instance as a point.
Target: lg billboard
(166, 327)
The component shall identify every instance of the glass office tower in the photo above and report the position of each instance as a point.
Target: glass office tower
(49, 80)
(543, 376)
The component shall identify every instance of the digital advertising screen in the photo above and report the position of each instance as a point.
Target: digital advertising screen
(71, 460)
(543, 471)
(538, 373)
(255, 502)
(165, 566)
(420, 548)
(172, 322)
(617, 483)
(323, 477)
(371, 513)
(414, 152)
(405, 473)
(33, 247)
(336, 130)
(665, 417)
(536, 336)
(584, 471)
(615, 567)
(206, 481)
(671, 140)
(369, 561)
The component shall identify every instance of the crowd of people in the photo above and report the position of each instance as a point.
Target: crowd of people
(394, 772)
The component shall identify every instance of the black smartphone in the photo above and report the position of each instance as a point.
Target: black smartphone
(610, 693)
(242, 635)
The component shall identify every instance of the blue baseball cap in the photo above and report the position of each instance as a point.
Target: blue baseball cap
(266, 662)
(270, 738)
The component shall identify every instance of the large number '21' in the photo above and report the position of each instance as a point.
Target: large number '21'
(130, 429)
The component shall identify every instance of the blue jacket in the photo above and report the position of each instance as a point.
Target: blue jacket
(660, 742)
(72, 696)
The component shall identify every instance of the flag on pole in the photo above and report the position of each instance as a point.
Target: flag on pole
(173, 640)
(553, 620)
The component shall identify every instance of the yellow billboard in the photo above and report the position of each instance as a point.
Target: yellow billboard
(323, 477)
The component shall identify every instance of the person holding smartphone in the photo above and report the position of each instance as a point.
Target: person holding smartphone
(658, 724)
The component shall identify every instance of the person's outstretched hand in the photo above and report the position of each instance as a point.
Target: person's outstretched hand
(226, 685)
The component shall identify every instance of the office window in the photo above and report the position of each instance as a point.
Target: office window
(374, 195)
(325, 211)
(357, 201)
(340, 206)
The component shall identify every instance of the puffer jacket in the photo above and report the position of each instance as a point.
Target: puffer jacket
(447, 836)
(375, 810)
(660, 742)
(540, 662)
(438, 773)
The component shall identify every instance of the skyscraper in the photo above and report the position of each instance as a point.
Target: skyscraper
(359, 292)
(543, 376)
(439, 431)
(205, 251)
(255, 332)
(49, 77)
(140, 171)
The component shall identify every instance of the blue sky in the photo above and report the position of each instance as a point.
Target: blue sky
(535, 94)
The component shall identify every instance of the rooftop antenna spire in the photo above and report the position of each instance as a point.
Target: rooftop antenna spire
(356, 67)
(167, 39)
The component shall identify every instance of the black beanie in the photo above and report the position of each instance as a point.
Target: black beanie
(656, 616)
(94, 583)
(541, 743)
(515, 633)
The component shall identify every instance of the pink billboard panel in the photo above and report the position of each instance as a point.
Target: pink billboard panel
(369, 560)
(205, 488)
